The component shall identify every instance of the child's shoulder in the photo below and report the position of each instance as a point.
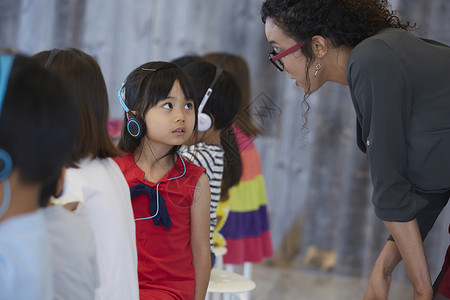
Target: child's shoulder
(25, 223)
(191, 168)
(214, 148)
(125, 161)
(210, 150)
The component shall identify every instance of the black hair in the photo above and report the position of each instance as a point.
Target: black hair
(225, 99)
(48, 189)
(83, 76)
(184, 60)
(223, 105)
(38, 123)
(238, 67)
(232, 162)
(144, 87)
(342, 22)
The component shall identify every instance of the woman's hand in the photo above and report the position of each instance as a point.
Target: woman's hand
(380, 279)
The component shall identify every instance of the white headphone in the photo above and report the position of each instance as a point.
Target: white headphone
(204, 120)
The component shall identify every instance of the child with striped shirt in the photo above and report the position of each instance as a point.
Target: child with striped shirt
(215, 147)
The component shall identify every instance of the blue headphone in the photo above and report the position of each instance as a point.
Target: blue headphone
(6, 62)
(135, 125)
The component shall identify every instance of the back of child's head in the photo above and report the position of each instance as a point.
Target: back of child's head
(225, 99)
(238, 67)
(185, 60)
(223, 104)
(143, 88)
(83, 76)
(38, 122)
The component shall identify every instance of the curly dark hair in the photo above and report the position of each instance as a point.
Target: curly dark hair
(342, 22)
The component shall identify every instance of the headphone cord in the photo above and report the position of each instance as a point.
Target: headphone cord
(157, 190)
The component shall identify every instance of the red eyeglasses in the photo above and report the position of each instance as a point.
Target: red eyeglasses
(275, 57)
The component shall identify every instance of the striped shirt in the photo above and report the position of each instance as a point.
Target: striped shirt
(211, 158)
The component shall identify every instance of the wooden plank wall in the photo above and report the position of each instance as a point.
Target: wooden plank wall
(318, 188)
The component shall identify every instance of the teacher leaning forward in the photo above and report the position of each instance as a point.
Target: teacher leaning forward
(400, 88)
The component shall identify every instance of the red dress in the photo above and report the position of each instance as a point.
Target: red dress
(165, 268)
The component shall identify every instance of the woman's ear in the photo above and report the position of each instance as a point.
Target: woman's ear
(319, 46)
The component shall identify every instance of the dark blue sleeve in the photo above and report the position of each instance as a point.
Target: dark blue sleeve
(383, 97)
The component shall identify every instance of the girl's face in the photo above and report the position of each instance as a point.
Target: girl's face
(171, 121)
(294, 63)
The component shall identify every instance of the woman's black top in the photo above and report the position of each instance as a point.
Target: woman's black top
(400, 87)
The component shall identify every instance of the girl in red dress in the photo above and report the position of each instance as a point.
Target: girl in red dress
(170, 196)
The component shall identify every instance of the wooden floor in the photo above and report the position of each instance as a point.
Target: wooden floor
(282, 283)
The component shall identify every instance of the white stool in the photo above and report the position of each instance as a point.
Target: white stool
(225, 282)
(246, 272)
(219, 252)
